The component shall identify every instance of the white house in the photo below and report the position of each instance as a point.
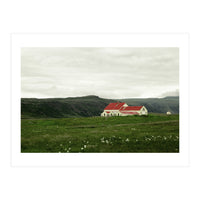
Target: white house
(122, 109)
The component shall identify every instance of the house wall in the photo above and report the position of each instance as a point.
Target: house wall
(112, 113)
(143, 111)
(122, 114)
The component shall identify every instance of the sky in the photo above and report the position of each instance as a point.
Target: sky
(106, 72)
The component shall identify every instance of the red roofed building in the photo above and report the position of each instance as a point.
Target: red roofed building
(122, 109)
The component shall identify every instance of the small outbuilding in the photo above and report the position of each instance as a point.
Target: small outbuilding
(168, 113)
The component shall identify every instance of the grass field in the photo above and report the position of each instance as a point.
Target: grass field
(153, 133)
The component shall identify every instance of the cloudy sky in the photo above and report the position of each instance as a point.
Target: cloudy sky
(105, 72)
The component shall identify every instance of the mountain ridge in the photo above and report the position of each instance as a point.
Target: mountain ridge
(91, 105)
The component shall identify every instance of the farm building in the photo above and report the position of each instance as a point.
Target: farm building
(122, 109)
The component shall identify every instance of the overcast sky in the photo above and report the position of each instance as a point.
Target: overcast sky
(105, 72)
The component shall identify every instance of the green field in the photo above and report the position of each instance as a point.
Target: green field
(152, 133)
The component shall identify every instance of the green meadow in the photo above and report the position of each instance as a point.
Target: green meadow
(144, 134)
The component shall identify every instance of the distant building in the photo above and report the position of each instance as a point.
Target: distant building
(122, 109)
(168, 113)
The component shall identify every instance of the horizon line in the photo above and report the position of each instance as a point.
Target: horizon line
(98, 97)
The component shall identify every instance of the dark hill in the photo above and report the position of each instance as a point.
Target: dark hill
(63, 107)
(88, 106)
(156, 105)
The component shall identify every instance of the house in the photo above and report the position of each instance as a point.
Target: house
(168, 113)
(122, 109)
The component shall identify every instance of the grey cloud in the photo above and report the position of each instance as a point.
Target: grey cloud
(170, 93)
(106, 72)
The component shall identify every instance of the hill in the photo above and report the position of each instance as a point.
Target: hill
(156, 105)
(63, 107)
(89, 106)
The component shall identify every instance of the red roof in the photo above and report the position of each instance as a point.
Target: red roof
(118, 106)
(114, 106)
(129, 113)
(131, 108)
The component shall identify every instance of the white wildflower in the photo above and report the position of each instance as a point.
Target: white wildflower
(127, 140)
(85, 146)
(102, 140)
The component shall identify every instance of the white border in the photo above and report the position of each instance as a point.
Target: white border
(100, 159)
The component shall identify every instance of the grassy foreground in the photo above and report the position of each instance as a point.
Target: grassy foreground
(153, 133)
